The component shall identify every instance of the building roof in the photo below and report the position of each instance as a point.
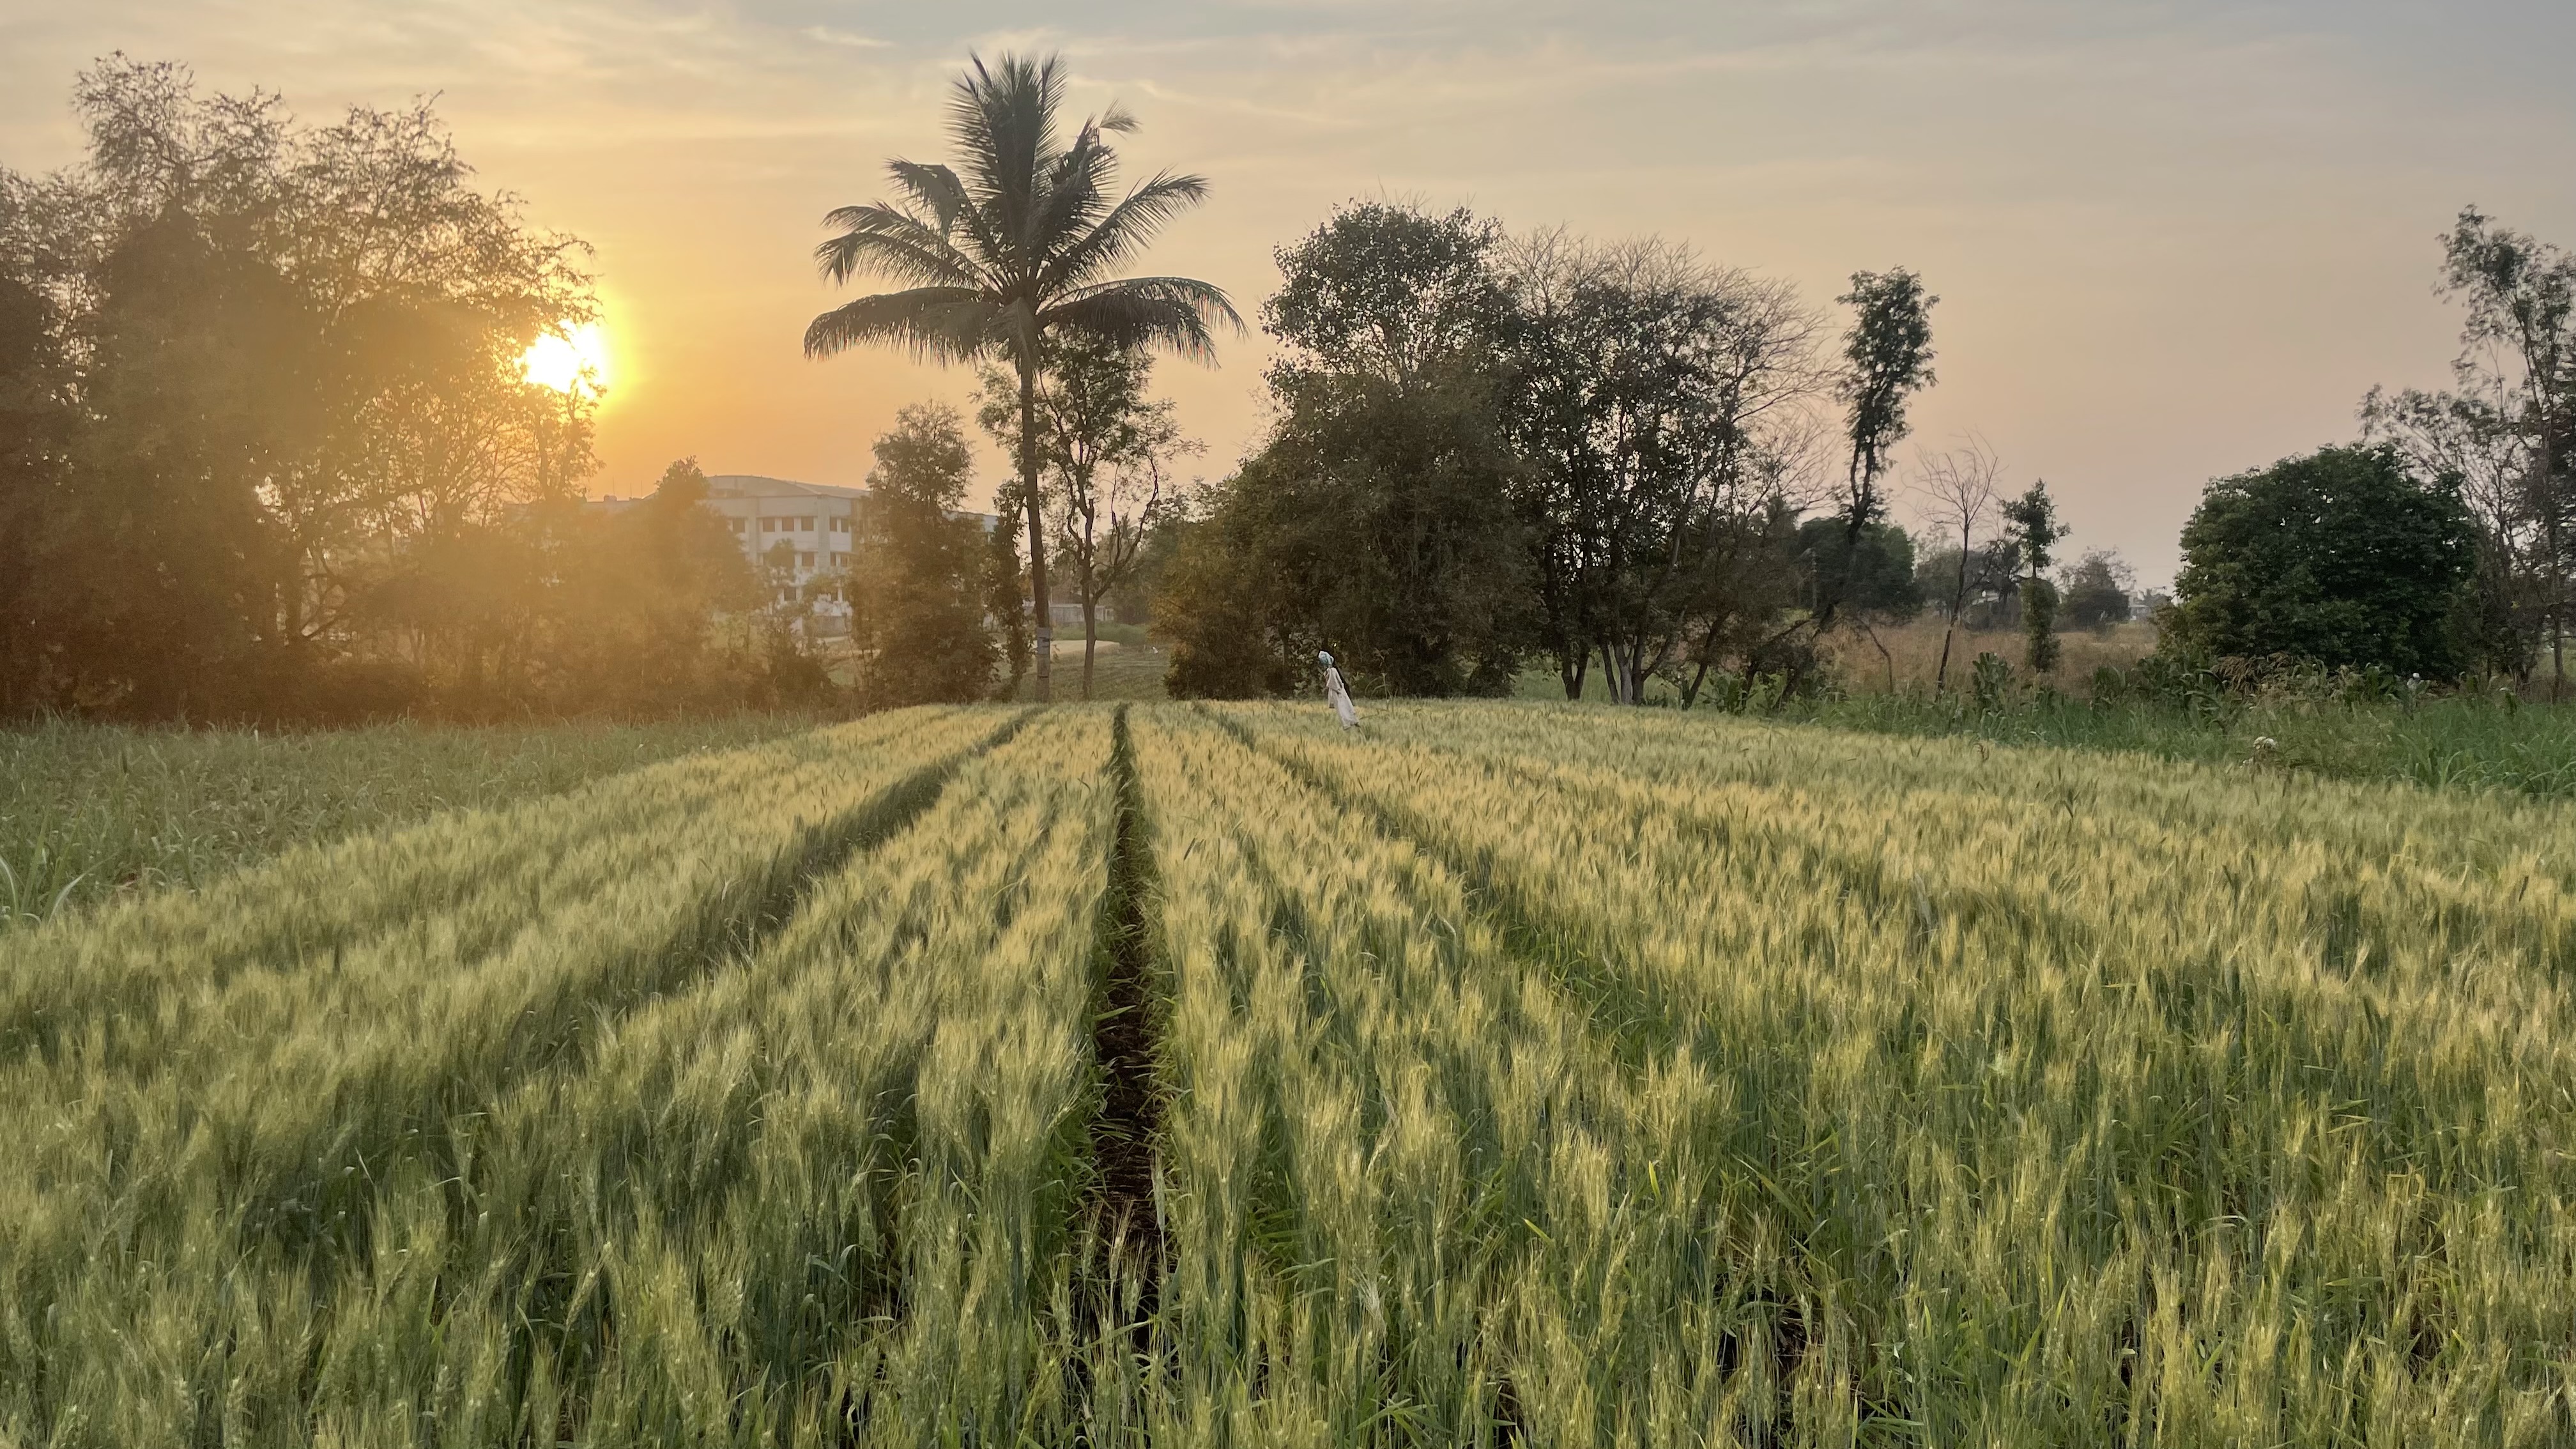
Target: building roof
(753, 485)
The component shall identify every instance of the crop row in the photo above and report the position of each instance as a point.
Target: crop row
(2090, 1100)
(175, 1219)
(1211, 1076)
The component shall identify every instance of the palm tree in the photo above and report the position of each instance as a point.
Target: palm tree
(1019, 246)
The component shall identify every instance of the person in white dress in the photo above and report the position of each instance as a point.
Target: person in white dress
(1338, 693)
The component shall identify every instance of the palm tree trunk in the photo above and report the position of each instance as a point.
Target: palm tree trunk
(1045, 622)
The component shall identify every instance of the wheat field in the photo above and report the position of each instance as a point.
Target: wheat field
(1205, 1075)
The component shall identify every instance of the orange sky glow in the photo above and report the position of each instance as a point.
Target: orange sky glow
(2172, 240)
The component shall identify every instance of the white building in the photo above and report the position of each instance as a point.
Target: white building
(808, 528)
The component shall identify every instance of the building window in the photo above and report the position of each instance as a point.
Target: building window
(804, 560)
(734, 523)
(840, 525)
(805, 524)
(769, 525)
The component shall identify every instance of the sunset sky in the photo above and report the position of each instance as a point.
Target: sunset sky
(2172, 240)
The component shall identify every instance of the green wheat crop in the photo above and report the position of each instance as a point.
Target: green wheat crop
(1519, 1074)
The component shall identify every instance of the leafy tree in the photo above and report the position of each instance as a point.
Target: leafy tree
(2036, 532)
(1747, 577)
(1133, 601)
(1642, 389)
(1390, 293)
(2098, 590)
(1378, 519)
(280, 368)
(918, 568)
(2339, 557)
(1018, 242)
(1887, 358)
(1105, 450)
(1871, 576)
(642, 630)
(34, 427)
(1006, 594)
(2502, 434)
(1376, 523)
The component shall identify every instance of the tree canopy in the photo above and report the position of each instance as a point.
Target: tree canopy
(2340, 557)
(267, 448)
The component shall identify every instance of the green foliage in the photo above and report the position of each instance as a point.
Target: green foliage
(1642, 390)
(1389, 292)
(1872, 576)
(1375, 524)
(2505, 435)
(1006, 594)
(2339, 557)
(2347, 727)
(1105, 450)
(1990, 681)
(2096, 591)
(254, 371)
(919, 574)
(267, 450)
(2035, 531)
(1887, 358)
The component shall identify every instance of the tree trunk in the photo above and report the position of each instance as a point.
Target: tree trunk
(2550, 513)
(1883, 656)
(1610, 677)
(1958, 601)
(1090, 635)
(1045, 622)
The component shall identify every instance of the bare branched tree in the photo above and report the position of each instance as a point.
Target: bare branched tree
(1959, 489)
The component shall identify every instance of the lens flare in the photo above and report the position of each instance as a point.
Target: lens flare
(574, 359)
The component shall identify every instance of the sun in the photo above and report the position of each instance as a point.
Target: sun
(570, 359)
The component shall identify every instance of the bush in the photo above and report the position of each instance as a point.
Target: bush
(2339, 559)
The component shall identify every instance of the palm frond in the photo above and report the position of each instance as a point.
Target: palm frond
(1071, 198)
(885, 242)
(937, 324)
(1003, 119)
(937, 190)
(1172, 313)
(933, 188)
(1127, 228)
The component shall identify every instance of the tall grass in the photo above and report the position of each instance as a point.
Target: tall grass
(92, 811)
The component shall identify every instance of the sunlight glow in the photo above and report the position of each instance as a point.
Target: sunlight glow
(574, 359)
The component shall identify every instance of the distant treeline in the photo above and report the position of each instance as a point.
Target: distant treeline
(267, 448)
(1493, 449)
